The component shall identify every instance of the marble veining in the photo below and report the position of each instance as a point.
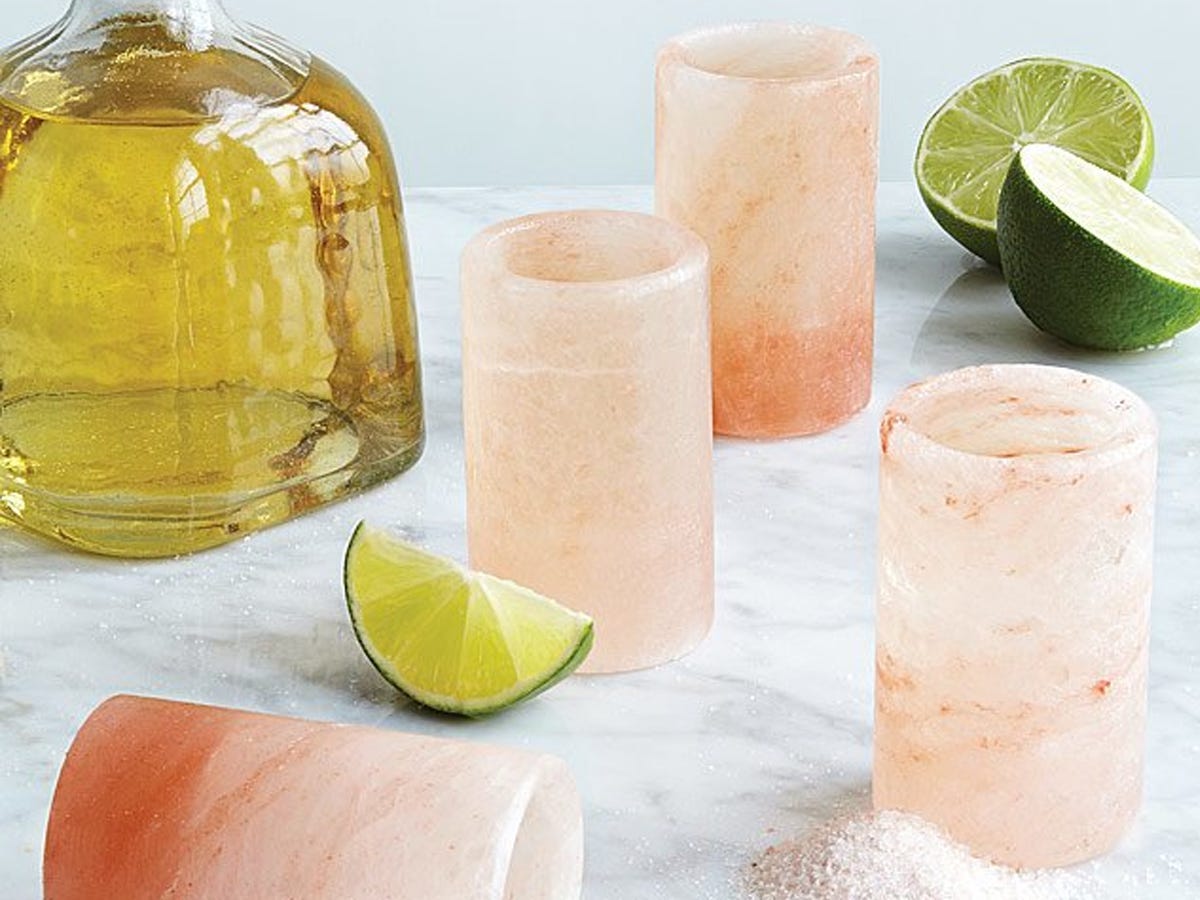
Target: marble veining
(685, 770)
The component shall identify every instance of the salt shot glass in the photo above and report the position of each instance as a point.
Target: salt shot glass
(158, 798)
(767, 147)
(1015, 566)
(588, 423)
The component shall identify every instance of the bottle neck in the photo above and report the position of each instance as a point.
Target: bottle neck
(194, 22)
(148, 61)
(198, 9)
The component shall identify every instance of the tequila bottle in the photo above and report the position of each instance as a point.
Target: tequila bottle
(206, 310)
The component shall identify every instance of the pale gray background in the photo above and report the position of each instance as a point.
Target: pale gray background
(561, 91)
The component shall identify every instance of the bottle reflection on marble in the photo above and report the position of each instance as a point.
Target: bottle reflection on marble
(206, 316)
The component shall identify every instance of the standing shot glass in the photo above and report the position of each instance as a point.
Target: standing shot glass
(767, 141)
(588, 423)
(1015, 566)
(165, 799)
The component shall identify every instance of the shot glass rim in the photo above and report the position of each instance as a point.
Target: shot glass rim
(680, 47)
(1127, 441)
(689, 253)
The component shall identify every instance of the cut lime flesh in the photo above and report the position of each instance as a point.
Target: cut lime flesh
(454, 640)
(1121, 216)
(1092, 260)
(970, 142)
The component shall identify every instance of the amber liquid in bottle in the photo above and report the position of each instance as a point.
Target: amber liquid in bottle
(206, 318)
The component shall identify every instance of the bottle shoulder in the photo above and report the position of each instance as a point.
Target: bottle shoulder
(137, 68)
(326, 89)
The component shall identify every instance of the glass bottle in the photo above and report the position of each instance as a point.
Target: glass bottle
(206, 311)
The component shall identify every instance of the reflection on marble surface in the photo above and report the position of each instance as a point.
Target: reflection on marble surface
(684, 770)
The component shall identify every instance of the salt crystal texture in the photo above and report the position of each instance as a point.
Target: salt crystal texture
(162, 799)
(1015, 567)
(895, 856)
(767, 148)
(587, 414)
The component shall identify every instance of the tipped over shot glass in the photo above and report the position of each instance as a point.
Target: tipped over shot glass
(158, 798)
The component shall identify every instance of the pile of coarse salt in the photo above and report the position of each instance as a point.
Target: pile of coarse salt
(895, 856)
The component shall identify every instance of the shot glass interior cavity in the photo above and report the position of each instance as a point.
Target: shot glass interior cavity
(775, 51)
(589, 246)
(1012, 411)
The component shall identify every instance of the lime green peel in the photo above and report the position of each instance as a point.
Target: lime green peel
(453, 640)
(970, 142)
(1092, 260)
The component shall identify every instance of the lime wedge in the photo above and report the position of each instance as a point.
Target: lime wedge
(968, 145)
(453, 640)
(1091, 259)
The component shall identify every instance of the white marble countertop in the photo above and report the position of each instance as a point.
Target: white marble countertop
(685, 770)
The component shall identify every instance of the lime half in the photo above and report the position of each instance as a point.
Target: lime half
(1091, 259)
(968, 145)
(453, 640)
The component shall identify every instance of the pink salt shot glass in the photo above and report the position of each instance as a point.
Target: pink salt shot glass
(1016, 550)
(161, 799)
(588, 419)
(767, 147)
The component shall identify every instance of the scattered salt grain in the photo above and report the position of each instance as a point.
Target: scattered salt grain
(895, 856)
